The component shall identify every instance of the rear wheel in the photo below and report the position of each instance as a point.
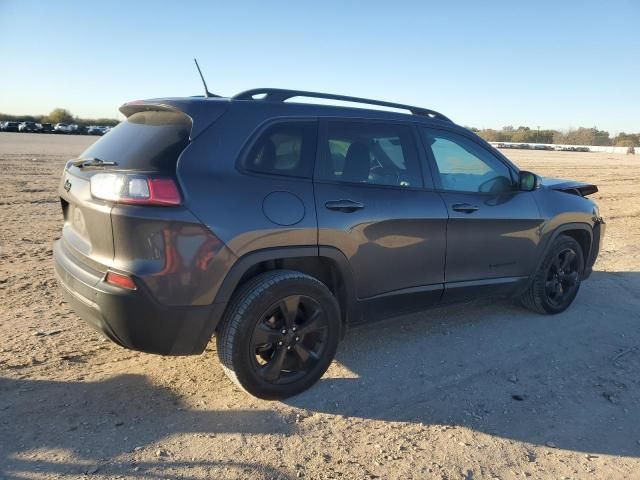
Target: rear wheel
(557, 281)
(279, 334)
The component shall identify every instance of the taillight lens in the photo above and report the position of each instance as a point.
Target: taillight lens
(119, 280)
(135, 189)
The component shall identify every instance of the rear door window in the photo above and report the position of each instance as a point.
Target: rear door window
(147, 141)
(284, 148)
(371, 153)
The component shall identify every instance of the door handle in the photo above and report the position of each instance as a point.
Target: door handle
(346, 206)
(464, 207)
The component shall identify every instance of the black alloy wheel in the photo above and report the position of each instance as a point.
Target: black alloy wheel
(557, 280)
(289, 339)
(562, 277)
(279, 334)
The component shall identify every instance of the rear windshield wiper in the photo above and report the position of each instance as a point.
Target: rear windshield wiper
(93, 162)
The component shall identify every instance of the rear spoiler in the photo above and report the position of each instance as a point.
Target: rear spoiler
(202, 112)
(581, 189)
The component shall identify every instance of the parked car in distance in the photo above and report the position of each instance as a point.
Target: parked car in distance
(28, 127)
(282, 224)
(62, 128)
(95, 130)
(543, 147)
(566, 148)
(10, 127)
(46, 128)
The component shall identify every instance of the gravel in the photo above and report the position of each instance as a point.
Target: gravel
(440, 384)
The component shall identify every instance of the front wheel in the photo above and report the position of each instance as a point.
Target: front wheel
(556, 283)
(279, 334)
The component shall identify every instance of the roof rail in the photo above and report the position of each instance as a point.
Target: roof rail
(280, 95)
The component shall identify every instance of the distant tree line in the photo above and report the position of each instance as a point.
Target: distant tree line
(59, 115)
(579, 136)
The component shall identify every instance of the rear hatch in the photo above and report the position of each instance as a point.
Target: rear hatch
(149, 142)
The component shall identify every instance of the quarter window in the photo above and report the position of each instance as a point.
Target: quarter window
(465, 166)
(371, 153)
(286, 148)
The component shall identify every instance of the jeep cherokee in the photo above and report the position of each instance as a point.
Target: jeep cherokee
(275, 225)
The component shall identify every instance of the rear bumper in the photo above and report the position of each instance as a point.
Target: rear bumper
(134, 319)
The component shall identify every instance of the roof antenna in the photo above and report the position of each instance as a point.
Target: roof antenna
(207, 93)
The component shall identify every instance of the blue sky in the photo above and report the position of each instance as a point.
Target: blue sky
(485, 64)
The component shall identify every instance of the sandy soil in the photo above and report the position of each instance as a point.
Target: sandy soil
(475, 391)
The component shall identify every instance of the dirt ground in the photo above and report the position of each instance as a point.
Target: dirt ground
(487, 390)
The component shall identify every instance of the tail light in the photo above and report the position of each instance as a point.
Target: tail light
(135, 189)
(120, 280)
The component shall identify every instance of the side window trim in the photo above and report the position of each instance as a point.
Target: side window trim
(431, 161)
(256, 134)
(323, 154)
(434, 166)
(428, 176)
(322, 149)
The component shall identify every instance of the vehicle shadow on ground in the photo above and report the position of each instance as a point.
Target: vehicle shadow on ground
(569, 380)
(100, 421)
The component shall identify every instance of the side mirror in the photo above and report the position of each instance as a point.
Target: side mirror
(528, 181)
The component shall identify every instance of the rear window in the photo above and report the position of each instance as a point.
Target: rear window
(150, 141)
(284, 148)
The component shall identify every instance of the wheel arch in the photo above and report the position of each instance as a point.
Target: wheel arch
(580, 232)
(327, 264)
(584, 239)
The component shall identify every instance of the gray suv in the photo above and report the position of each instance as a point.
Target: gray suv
(275, 225)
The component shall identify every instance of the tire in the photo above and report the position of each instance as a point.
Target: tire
(279, 334)
(557, 280)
